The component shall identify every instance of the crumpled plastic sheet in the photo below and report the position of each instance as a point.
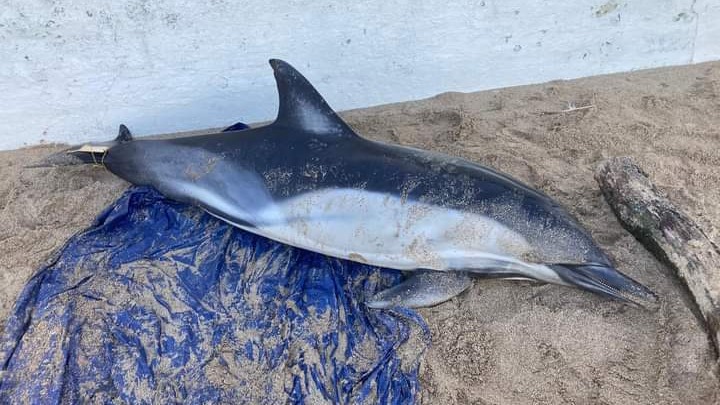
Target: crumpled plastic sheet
(158, 302)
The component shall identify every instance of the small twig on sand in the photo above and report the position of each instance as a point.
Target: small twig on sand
(571, 108)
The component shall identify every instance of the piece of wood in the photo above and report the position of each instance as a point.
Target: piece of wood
(667, 232)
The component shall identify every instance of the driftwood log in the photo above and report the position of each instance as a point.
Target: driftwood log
(667, 232)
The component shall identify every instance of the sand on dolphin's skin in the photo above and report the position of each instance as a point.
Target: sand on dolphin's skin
(503, 342)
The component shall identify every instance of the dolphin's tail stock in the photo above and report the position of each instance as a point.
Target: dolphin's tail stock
(606, 280)
(90, 153)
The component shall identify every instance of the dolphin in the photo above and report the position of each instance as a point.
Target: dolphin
(308, 180)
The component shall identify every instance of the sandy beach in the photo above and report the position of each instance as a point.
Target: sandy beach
(502, 342)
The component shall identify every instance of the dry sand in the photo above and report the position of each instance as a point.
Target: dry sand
(503, 342)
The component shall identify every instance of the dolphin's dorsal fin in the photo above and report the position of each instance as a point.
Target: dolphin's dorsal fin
(302, 107)
(238, 126)
(124, 134)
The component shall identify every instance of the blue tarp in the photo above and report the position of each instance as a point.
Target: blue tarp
(158, 302)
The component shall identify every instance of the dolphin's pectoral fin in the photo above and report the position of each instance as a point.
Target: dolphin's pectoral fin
(238, 126)
(528, 279)
(422, 289)
(302, 107)
(124, 134)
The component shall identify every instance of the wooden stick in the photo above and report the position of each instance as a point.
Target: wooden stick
(571, 108)
(667, 232)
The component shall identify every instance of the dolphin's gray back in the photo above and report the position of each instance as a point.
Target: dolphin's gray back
(310, 181)
(246, 178)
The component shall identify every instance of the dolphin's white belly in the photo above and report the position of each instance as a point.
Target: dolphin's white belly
(389, 231)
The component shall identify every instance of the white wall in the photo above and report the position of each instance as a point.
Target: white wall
(72, 70)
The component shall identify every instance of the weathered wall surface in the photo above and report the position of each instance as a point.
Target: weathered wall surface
(71, 71)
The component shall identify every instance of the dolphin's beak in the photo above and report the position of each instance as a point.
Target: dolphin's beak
(605, 280)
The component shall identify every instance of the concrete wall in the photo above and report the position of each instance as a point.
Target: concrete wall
(72, 70)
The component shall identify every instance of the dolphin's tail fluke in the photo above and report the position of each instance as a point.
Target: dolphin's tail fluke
(83, 154)
(606, 280)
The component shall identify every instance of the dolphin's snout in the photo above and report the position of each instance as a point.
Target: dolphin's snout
(606, 280)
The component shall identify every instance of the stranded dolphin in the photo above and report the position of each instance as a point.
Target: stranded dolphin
(308, 180)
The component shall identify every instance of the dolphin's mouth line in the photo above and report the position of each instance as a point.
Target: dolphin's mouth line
(617, 292)
(604, 279)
